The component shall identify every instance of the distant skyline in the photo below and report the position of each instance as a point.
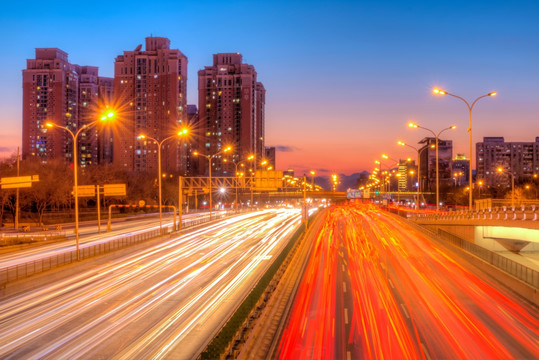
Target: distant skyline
(343, 78)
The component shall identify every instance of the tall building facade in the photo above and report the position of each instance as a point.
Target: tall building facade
(67, 95)
(152, 85)
(50, 93)
(428, 163)
(231, 111)
(520, 158)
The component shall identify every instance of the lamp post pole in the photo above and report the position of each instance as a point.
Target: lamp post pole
(250, 157)
(402, 143)
(436, 137)
(500, 170)
(159, 175)
(470, 109)
(209, 157)
(108, 116)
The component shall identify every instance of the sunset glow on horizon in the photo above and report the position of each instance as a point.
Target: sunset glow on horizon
(343, 79)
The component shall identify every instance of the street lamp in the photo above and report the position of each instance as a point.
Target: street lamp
(402, 143)
(180, 133)
(236, 164)
(387, 157)
(415, 126)
(500, 170)
(470, 108)
(209, 157)
(109, 115)
(313, 173)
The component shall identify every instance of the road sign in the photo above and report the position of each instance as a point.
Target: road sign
(114, 189)
(86, 190)
(268, 180)
(18, 181)
(353, 194)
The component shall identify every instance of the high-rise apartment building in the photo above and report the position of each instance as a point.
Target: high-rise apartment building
(428, 163)
(520, 158)
(231, 111)
(50, 93)
(67, 95)
(151, 85)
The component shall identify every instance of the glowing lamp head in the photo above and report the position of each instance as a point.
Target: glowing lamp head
(439, 91)
(385, 156)
(412, 125)
(494, 93)
(250, 157)
(183, 132)
(401, 143)
(499, 169)
(227, 149)
(195, 153)
(49, 124)
(108, 116)
(453, 127)
(141, 137)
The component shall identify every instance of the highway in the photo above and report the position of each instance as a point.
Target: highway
(89, 236)
(166, 301)
(375, 288)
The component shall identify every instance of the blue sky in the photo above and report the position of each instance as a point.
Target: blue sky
(342, 78)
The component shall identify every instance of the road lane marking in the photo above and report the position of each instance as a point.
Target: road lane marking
(348, 355)
(390, 283)
(346, 316)
(343, 287)
(343, 269)
(405, 312)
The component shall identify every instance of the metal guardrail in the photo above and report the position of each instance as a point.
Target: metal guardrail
(498, 213)
(24, 270)
(17, 238)
(521, 272)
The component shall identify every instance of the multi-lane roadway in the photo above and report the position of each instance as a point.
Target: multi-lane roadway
(166, 301)
(375, 288)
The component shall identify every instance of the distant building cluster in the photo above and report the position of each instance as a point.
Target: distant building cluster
(149, 96)
(492, 155)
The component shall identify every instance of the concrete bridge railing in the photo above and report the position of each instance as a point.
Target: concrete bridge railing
(505, 213)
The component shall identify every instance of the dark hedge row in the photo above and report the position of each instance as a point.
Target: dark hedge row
(227, 333)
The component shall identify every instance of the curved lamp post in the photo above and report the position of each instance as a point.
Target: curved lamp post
(501, 170)
(436, 136)
(249, 158)
(470, 108)
(105, 117)
(180, 133)
(209, 157)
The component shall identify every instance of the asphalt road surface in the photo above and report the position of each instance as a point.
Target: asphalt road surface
(164, 302)
(375, 288)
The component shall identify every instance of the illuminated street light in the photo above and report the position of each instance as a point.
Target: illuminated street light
(182, 132)
(501, 170)
(402, 143)
(110, 115)
(209, 157)
(414, 125)
(470, 108)
(240, 174)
